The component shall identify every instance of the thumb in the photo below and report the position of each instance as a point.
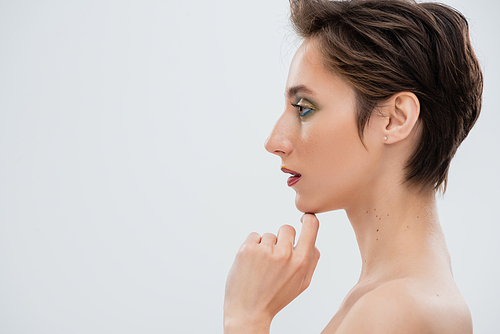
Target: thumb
(309, 232)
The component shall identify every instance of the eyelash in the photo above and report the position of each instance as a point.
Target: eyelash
(301, 108)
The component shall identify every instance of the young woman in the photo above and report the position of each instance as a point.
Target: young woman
(379, 96)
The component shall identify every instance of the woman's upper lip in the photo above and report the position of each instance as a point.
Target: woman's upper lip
(289, 171)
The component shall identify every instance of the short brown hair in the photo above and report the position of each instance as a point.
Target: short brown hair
(383, 47)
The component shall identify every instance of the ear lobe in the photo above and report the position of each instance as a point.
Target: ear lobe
(402, 114)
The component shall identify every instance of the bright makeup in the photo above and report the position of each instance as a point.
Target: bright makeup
(304, 107)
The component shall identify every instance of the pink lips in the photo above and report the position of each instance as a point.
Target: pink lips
(292, 179)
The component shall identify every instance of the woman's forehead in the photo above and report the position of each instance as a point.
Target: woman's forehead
(308, 69)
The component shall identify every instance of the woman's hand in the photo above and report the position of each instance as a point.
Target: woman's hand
(267, 274)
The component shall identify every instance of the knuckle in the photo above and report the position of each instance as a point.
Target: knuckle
(268, 235)
(266, 248)
(284, 253)
(305, 260)
(317, 254)
(288, 228)
(247, 248)
(254, 235)
(301, 261)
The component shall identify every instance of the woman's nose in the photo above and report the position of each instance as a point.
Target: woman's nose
(278, 141)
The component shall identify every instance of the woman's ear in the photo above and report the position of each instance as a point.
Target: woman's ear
(401, 113)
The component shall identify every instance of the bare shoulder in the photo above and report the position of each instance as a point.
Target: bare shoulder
(408, 306)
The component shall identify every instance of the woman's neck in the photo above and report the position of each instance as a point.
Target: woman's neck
(398, 235)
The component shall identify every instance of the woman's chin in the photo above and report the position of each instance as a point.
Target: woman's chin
(308, 206)
(315, 205)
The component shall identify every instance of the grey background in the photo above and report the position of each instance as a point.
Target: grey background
(132, 167)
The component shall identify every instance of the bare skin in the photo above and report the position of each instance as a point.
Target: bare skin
(406, 283)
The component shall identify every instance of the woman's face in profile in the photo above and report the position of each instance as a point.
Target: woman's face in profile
(317, 136)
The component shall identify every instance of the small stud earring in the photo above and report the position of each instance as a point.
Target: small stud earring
(385, 137)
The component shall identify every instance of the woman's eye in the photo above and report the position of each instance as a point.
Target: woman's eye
(303, 110)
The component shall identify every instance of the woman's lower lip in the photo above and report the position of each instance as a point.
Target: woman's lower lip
(292, 180)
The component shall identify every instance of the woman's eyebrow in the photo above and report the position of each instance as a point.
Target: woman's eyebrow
(293, 90)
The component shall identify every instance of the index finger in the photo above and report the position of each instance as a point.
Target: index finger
(309, 232)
